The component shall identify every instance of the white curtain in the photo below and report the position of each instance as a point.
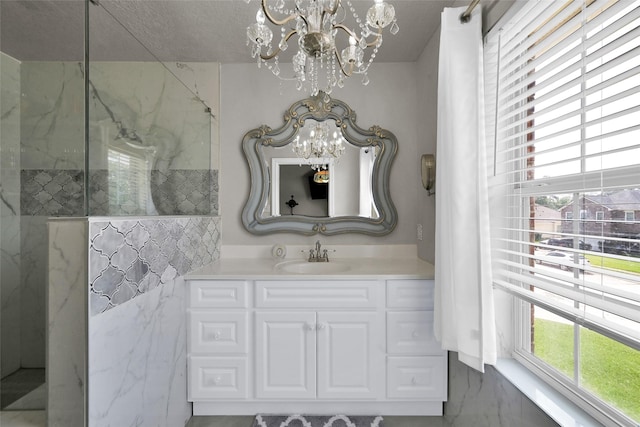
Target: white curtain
(464, 315)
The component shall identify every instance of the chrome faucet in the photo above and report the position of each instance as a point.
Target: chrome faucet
(319, 254)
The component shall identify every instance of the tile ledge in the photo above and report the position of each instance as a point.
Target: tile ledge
(552, 402)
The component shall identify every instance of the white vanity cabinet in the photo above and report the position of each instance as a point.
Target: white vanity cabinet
(314, 346)
(324, 355)
(318, 339)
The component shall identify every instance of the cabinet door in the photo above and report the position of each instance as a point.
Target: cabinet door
(350, 355)
(285, 355)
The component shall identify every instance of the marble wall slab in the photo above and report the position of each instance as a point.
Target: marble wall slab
(33, 272)
(67, 323)
(140, 106)
(52, 121)
(9, 215)
(128, 258)
(137, 361)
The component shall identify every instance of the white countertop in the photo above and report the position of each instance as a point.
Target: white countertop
(356, 268)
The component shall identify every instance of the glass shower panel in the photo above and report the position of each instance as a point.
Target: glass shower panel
(149, 129)
(41, 175)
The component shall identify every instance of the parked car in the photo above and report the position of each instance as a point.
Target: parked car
(564, 260)
(568, 243)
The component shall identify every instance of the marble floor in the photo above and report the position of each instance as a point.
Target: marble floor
(23, 419)
(19, 384)
(37, 419)
(23, 399)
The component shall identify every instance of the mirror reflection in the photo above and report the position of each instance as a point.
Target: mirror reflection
(319, 173)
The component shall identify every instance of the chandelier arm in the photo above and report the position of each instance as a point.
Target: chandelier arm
(347, 73)
(378, 37)
(355, 36)
(335, 8)
(273, 20)
(274, 54)
(348, 31)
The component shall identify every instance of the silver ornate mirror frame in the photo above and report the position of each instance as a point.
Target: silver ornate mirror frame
(319, 108)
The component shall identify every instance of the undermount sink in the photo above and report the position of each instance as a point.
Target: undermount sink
(306, 267)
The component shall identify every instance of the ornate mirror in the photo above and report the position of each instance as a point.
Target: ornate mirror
(319, 173)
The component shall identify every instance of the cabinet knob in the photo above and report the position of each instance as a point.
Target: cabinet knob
(215, 336)
(414, 381)
(310, 326)
(322, 325)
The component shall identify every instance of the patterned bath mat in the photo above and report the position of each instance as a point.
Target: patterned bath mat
(316, 421)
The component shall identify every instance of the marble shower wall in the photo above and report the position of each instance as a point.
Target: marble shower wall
(50, 176)
(137, 326)
(140, 111)
(131, 103)
(67, 324)
(136, 349)
(10, 215)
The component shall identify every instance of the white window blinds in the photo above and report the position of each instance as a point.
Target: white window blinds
(562, 83)
(129, 183)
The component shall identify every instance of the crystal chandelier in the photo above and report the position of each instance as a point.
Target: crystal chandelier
(319, 26)
(321, 144)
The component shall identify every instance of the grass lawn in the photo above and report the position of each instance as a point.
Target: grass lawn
(608, 369)
(615, 264)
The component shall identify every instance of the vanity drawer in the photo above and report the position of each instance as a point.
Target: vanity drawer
(411, 332)
(218, 332)
(410, 294)
(317, 294)
(217, 293)
(217, 378)
(416, 377)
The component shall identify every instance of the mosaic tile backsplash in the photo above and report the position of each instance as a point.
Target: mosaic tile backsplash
(130, 257)
(60, 192)
(185, 192)
(52, 192)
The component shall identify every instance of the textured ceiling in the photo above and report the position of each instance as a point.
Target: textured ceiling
(176, 30)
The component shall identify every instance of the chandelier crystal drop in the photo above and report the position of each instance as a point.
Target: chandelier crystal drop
(328, 50)
(321, 143)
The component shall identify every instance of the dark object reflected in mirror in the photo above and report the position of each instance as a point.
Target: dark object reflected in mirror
(338, 171)
(292, 204)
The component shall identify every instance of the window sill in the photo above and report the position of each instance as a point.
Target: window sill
(558, 407)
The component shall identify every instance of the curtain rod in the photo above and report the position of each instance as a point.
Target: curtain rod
(466, 15)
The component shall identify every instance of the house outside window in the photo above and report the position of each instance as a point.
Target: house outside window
(561, 81)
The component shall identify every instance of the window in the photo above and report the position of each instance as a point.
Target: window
(629, 216)
(129, 183)
(563, 103)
